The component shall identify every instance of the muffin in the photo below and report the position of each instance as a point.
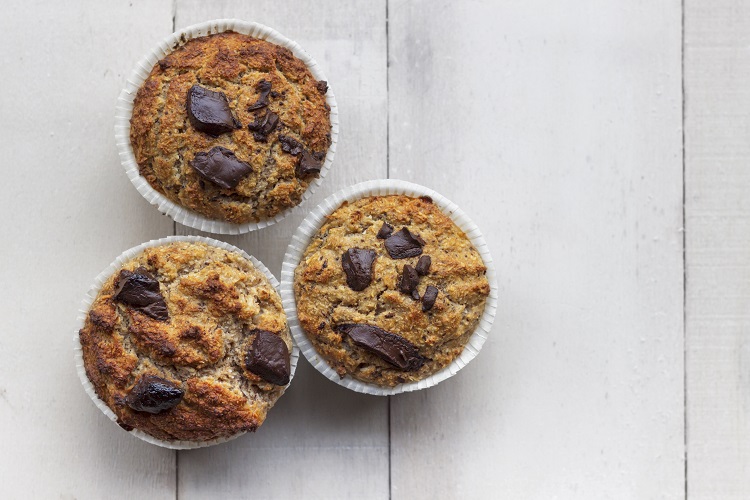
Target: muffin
(232, 127)
(187, 342)
(389, 290)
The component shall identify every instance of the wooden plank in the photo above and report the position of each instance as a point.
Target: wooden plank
(68, 211)
(321, 441)
(557, 127)
(717, 180)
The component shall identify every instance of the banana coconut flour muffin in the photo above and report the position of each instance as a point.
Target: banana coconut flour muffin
(232, 127)
(187, 342)
(389, 290)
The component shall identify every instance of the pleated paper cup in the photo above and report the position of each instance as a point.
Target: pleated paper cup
(124, 110)
(315, 220)
(94, 291)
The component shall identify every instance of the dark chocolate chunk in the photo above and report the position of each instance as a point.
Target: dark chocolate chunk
(430, 294)
(357, 264)
(409, 280)
(322, 86)
(154, 394)
(419, 239)
(221, 167)
(423, 265)
(140, 290)
(268, 357)
(124, 425)
(402, 245)
(309, 164)
(415, 294)
(388, 346)
(157, 310)
(264, 87)
(209, 111)
(385, 231)
(264, 125)
(290, 145)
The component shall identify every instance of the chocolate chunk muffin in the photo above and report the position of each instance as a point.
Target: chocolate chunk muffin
(390, 289)
(232, 127)
(188, 342)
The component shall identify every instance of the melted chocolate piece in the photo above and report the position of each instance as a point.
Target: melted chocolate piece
(385, 231)
(322, 86)
(423, 265)
(264, 87)
(154, 394)
(209, 111)
(140, 290)
(124, 425)
(309, 164)
(268, 357)
(409, 281)
(221, 167)
(403, 244)
(264, 125)
(357, 264)
(430, 295)
(290, 145)
(388, 346)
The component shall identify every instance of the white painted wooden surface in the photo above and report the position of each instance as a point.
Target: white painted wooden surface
(321, 441)
(558, 130)
(717, 89)
(66, 216)
(556, 125)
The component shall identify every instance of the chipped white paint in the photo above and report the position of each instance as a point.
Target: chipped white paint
(556, 126)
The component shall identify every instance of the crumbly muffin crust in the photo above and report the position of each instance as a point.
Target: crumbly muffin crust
(217, 301)
(327, 305)
(165, 141)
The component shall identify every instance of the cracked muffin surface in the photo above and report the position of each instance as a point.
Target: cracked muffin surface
(390, 289)
(244, 96)
(187, 341)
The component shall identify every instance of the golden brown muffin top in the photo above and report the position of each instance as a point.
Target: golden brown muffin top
(389, 290)
(171, 343)
(274, 127)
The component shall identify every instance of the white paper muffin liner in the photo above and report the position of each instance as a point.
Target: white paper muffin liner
(310, 227)
(91, 296)
(124, 110)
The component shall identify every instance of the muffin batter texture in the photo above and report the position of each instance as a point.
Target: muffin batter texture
(390, 289)
(232, 127)
(187, 342)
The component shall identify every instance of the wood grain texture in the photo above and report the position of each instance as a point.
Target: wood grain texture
(320, 441)
(717, 182)
(557, 128)
(68, 211)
